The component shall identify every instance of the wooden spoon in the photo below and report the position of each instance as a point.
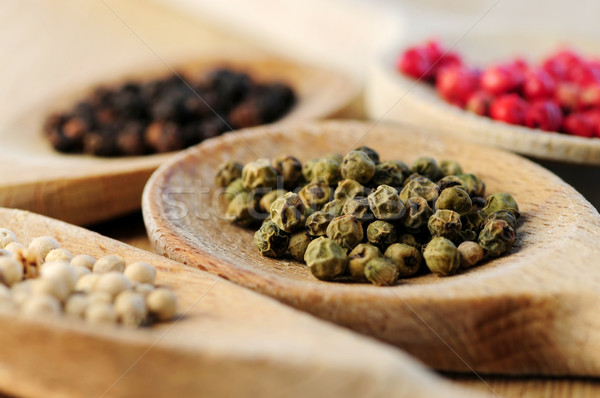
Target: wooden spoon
(528, 312)
(393, 96)
(35, 177)
(228, 341)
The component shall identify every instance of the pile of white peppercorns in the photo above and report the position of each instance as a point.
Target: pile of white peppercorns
(43, 279)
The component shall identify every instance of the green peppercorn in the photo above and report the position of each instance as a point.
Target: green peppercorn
(475, 186)
(334, 207)
(417, 214)
(288, 212)
(243, 209)
(421, 187)
(503, 215)
(325, 258)
(228, 172)
(409, 239)
(307, 169)
(501, 201)
(358, 166)
(406, 258)
(381, 233)
(468, 235)
(441, 256)
(327, 170)
(381, 271)
(456, 199)
(349, 189)
(450, 168)
(388, 173)
(270, 240)
(497, 237)
(386, 204)
(358, 259)
(290, 170)
(452, 181)
(371, 153)
(298, 244)
(236, 187)
(347, 231)
(259, 174)
(427, 167)
(315, 194)
(473, 220)
(471, 253)
(444, 223)
(335, 156)
(359, 209)
(317, 223)
(267, 200)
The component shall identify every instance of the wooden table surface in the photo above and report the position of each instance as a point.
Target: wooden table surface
(51, 47)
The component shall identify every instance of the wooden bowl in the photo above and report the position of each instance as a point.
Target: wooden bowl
(222, 331)
(393, 96)
(528, 312)
(83, 189)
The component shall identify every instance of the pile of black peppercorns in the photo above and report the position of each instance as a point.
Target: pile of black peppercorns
(166, 114)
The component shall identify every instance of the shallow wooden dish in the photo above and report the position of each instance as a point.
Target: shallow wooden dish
(393, 96)
(228, 342)
(84, 189)
(529, 312)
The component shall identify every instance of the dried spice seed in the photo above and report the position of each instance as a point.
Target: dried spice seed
(330, 235)
(165, 114)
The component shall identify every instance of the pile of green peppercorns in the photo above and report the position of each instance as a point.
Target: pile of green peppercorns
(374, 220)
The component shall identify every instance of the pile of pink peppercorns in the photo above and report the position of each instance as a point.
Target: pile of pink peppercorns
(561, 94)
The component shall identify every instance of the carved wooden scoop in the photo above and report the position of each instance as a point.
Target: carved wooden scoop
(530, 312)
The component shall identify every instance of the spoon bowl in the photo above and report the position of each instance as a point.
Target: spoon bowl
(524, 313)
(33, 176)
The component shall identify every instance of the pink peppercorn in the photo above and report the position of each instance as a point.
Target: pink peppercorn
(501, 79)
(456, 84)
(594, 115)
(538, 84)
(479, 103)
(509, 108)
(567, 95)
(579, 124)
(544, 115)
(590, 97)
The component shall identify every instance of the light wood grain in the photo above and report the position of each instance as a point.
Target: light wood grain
(67, 186)
(227, 341)
(530, 312)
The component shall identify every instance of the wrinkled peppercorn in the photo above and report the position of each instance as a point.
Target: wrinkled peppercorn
(165, 114)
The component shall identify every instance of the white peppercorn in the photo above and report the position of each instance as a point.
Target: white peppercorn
(14, 246)
(21, 292)
(76, 305)
(108, 264)
(98, 313)
(113, 283)
(141, 272)
(6, 236)
(143, 288)
(40, 305)
(11, 271)
(83, 260)
(59, 254)
(162, 303)
(51, 287)
(100, 297)
(87, 283)
(42, 245)
(60, 270)
(131, 308)
(81, 271)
